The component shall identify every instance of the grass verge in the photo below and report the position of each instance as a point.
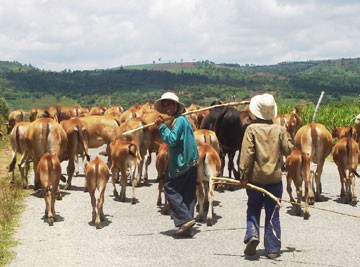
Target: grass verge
(11, 205)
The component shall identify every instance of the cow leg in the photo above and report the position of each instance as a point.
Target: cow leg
(76, 163)
(209, 218)
(147, 163)
(342, 181)
(231, 168)
(353, 192)
(201, 199)
(288, 187)
(114, 178)
(49, 207)
(101, 204)
(318, 173)
(161, 180)
(134, 183)
(93, 204)
(37, 184)
(222, 157)
(70, 172)
(123, 184)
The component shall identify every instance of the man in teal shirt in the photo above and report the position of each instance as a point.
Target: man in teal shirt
(180, 188)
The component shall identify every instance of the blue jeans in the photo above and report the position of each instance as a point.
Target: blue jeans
(181, 194)
(256, 200)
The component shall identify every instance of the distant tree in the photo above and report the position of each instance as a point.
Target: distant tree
(4, 108)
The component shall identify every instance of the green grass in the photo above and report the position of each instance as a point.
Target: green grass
(11, 205)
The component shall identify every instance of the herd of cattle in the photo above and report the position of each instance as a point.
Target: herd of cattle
(61, 133)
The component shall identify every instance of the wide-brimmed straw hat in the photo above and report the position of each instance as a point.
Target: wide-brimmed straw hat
(168, 96)
(263, 106)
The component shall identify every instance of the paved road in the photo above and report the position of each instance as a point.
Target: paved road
(138, 235)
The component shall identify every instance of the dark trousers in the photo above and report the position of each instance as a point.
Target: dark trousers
(256, 200)
(181, 194)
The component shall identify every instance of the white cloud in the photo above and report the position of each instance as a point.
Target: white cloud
(57, 35)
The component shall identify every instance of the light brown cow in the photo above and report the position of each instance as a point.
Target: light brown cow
(133, 112)
(124, 158)
(14, 117)
(99, 110)
(298, 167)
(18, 145)
(291, 121)
(37, 113)
(97, 175)
(162, 164)
(78, 140)
(342, 131)
(141, 138)
(204, 136)
(155, 138)
(315, 140)
(208, 166)
(101, 129)
(346, 156)
(198, 116)
(44, 135)
(357, 129)
(49, 170)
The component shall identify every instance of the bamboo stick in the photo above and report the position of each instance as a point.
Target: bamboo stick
(220, 180)
(188, 113)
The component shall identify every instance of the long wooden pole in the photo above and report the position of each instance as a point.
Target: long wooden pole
(317, 106)
(188, 113)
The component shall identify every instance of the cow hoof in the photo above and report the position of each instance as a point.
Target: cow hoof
(133, 201)
(122, 199)
(67, 186)
(209, 222)
(116, 194)
(98, 226)
(58, 197)
(306, 216)
(51, 221)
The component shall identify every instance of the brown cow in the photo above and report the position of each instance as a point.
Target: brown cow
(155, 138)
(37, 113)
(342, 131)
(44, 135)
(346, 156)
(49, 170)
(357, 129)
(100, 110)
(133, 112)
(141, 138)
(14, 117)
(208, 166)
(97, 175)
(18, 145)
(162, 164)
(315, 140)
(78, 140)
(291, 121)
(101, 129)
(124, 157)
(298, 167)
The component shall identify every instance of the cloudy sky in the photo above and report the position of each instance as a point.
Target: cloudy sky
(92, 34)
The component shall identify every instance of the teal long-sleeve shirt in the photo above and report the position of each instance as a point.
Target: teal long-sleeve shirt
(183, 148)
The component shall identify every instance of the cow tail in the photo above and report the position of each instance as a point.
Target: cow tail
(11, 167)
(203, 162)
(134, 151)
(82, 142)
(97, 173)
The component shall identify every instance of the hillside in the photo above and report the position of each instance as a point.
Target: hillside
(24, 86)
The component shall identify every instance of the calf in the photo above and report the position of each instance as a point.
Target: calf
(123, 155)
(209, 165)
(49, 170)
(346, 157)
(298, 167)
(316, 141)
(162, 164)
(97, 175)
